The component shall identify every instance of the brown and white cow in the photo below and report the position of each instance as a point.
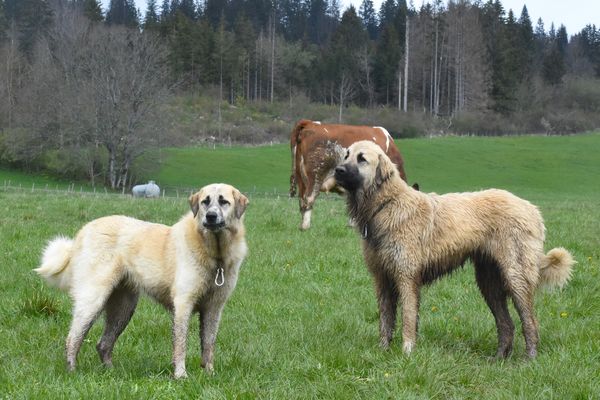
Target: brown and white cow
(316, 150)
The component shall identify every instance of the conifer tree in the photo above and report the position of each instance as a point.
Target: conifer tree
(122, 12)
(386, 61)
(151, 21)
(369, 18)
(187, 8)
(33, 19)
(387, 12)
(93, 10)
(525, 43)
(317, 28)
(3, 23)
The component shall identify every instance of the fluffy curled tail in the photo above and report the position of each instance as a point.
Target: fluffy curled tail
(556, 268)
(55, 263)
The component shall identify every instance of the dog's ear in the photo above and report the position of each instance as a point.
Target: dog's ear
(194, 200)
(385, 169)
(241, 202)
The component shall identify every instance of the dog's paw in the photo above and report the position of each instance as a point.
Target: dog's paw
(384, 343)
(407, 347)
(209, 368)
(180, 374)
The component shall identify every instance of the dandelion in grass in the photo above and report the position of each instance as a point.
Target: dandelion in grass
(434, 309)
(564, 314)
(386, 375)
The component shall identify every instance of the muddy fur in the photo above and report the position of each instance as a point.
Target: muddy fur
(316, 148)
(189, 267)
(411, 238)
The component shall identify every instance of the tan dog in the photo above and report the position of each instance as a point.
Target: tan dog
(411, 238)
(191, 266)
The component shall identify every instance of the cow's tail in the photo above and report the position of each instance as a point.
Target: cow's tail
(556, 268)
(55, 263)
(294, 142)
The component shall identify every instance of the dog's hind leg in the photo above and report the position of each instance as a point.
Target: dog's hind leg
(522, 293)
(387, 297)
(88, 303)
(210, 317)
(491, 284)
(119, 310)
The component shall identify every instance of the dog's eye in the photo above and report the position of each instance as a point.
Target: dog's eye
(360, 158)
(347, 155)
(206, 201)
(223, 202)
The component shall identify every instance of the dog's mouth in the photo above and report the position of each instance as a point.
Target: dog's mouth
(348, 177)
(213, 226)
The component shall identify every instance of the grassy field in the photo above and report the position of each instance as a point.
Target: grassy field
(303, 320)
(525, 164)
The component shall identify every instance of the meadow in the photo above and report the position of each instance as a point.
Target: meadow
(303, 321)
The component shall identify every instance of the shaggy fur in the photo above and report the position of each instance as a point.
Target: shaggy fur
(411, 238)
(189, 267)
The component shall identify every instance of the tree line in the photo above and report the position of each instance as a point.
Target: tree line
(77, 80)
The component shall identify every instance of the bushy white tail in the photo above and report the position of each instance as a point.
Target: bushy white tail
(556, 267)
(55, 262)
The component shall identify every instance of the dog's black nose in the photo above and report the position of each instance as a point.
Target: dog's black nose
(340, 170)
(211, 217)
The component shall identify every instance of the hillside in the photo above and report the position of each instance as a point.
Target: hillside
(524, 164)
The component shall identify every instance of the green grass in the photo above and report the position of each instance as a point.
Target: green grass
(524, 164)
(303, 321)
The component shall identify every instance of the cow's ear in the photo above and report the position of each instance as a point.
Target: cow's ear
(385, 169)
(194, 203)
(241, 202)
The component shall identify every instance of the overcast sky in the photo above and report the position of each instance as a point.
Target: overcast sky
(574, 14)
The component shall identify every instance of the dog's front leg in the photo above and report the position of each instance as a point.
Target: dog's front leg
(210, 316)
(387, 297)
(409, 297)
(181, 319)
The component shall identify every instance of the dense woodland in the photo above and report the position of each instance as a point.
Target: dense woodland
(85, 92)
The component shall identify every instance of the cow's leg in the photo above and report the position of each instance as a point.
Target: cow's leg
(312, 191)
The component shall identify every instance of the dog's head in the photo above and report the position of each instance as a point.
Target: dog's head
(218, 206)
(365, 166)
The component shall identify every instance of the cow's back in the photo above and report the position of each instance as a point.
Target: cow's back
(309, 134)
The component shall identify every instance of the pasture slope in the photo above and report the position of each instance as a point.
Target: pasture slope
(303, 321)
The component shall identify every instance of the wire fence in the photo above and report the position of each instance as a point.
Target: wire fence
(168, 192)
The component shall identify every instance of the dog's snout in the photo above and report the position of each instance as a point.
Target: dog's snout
(211, 216)
(340, 170)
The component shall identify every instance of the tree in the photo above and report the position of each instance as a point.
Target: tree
(525, 44)
(31, 19)
(3, 23)
(369, 18)
(92, 9)
(317, 22)
(554, 65)
(151, 21)
(187, 8)
(122, 12)
(386, 60)
(387, 12)
(346, 43)
(333, 10)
